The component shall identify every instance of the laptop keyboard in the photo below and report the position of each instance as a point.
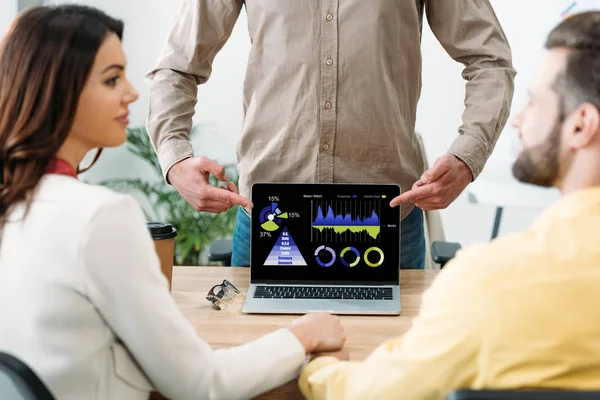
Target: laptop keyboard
(322, 292)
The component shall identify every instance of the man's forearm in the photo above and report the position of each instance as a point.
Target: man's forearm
(471, 34)
(173, 97)
(200, 30)
(488, 99)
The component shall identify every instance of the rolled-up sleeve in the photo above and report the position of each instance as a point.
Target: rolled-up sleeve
(471, 34)
(200, 30)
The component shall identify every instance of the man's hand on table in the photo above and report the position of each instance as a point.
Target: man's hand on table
(319, 332)
(191, 179)
(439, 186)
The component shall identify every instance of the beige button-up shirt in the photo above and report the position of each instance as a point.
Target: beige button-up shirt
(332, 86)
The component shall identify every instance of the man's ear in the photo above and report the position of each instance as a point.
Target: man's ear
(582, 126)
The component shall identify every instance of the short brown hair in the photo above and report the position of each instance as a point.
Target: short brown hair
(580, 81)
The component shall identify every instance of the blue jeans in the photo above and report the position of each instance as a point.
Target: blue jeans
(412, 249)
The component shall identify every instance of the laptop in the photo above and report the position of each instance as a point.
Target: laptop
(324, 247)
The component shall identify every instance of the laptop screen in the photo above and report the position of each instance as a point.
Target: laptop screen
(325, 233)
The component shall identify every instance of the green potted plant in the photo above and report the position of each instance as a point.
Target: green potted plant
(196, 230)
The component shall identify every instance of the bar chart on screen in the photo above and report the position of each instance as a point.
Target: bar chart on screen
(354, 221)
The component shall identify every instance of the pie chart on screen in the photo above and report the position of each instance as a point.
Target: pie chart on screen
(271, 217)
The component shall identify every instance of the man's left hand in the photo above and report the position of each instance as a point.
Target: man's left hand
(439, 186)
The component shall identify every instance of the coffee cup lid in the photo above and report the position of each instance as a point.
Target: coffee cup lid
(161, 230)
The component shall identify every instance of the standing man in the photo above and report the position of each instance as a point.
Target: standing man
(330, 95)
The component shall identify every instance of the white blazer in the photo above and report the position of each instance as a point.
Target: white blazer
(84, 304)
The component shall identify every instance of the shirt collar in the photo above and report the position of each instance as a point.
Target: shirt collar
(59, 166)
(571, 205)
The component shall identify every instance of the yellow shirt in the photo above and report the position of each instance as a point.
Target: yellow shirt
(522, 311)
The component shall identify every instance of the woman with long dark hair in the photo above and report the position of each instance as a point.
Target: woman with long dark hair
(82, 298)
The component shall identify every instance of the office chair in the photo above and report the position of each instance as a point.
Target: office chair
(220, 251)
(19, 382)
(522, 395)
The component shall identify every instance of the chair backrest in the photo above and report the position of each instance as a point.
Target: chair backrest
(522, 395)
(434, 231)
(19, 382)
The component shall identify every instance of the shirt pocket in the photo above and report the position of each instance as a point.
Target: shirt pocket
(127, 370)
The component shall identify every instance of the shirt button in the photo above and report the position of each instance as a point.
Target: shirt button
(329, 61)
(328, 105)
(326, 146)
(329, 17)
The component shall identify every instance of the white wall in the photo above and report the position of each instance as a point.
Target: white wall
(219, 111)
(526, 24)
(8, 11)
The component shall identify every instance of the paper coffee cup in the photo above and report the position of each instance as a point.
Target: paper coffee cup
(164, 235)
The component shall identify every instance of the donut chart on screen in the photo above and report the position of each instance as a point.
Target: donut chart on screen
(369, 251)
(326, 249)
(352, 250)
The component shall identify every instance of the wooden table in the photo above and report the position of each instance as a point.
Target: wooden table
(230, 327)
